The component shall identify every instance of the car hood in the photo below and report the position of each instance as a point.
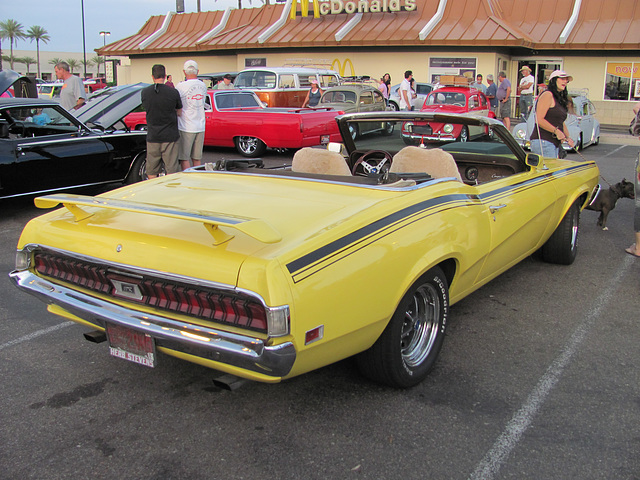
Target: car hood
(108, 106)
(9, 77)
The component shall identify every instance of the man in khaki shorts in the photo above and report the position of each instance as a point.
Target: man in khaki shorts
(163, 106)
(191, 123)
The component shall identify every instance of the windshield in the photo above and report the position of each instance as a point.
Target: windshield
(255, 79)
(339, 96)
(395, 135)
(446, 98)
(237, 100)
(39, 116)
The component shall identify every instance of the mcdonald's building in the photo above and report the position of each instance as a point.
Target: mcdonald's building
(595, 41)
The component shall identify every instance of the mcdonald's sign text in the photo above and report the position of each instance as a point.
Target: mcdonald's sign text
(334, 7)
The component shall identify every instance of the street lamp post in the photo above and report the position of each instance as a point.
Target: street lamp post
(104, 36)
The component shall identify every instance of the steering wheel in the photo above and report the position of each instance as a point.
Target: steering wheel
(18, 128)
(371, 165)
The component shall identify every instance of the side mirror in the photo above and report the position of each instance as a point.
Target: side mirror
(533, 160)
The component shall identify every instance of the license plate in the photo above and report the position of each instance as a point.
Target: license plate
(324, 139)
(131, 345)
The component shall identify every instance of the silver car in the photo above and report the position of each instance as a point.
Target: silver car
(422, 90)
(584, 128)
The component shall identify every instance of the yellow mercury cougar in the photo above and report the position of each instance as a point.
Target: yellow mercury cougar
(264, 274)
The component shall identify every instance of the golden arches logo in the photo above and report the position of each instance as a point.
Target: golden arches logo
(304, 8)
(341, 68)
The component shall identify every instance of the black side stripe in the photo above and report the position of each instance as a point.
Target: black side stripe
(296, 267)
(353, 237)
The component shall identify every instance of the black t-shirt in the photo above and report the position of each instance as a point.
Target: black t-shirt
(161, 102)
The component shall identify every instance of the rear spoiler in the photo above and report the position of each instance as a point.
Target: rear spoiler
(255, 228)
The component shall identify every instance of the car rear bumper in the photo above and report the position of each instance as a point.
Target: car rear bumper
(240, 351)
(434, 137)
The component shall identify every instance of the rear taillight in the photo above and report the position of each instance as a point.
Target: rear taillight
(226, 307)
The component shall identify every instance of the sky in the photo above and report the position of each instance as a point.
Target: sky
(63, 19)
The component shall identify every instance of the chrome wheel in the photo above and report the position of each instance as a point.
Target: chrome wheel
(420, 326)
(250, 146)
(464, 134)
(408, 348)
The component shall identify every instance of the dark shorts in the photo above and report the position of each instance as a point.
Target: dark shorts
(504, 109)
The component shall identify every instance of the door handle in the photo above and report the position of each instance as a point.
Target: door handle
(495, 208)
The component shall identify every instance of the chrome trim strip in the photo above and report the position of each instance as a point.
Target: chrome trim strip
(232, 349)
(55, 141)
(60, 189)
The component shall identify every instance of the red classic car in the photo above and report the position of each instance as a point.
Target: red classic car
(93, 84)
(238, 118)
(449, 99)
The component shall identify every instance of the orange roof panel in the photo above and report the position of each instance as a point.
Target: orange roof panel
(516, 23)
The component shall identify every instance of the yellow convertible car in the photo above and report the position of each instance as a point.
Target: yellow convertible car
(267, 273)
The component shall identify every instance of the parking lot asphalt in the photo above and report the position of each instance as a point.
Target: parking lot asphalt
(537, 379)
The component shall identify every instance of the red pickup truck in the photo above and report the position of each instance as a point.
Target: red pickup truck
(239, 119)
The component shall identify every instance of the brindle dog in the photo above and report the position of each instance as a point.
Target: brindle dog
(606, 200)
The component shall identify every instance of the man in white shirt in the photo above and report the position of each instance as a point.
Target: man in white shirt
(191, 123)
(525, 89)
(405, 91)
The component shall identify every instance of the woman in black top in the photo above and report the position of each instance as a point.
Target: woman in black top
(552, 107)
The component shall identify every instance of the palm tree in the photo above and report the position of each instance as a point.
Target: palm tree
(38, 34)
(86, 63)
(97, 61)
(12, 30)
(54, 61)
(28, 61)
(73, 63)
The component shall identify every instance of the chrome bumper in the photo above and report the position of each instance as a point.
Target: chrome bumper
(436, 137)
(237, 350)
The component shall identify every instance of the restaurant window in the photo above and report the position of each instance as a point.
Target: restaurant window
(622, 81)
(439, 66)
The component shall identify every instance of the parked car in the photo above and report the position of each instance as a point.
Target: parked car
(50, 91)
(44, 148)
(584, 127)
(352, 98)
(239, 119)
(266, 274)
(449, 99)
(422, 90)
(93, 84)
(284, 86)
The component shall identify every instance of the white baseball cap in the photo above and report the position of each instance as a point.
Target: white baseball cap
(561, 74)
(190, 64)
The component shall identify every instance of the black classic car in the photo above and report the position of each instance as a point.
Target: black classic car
(44, 148)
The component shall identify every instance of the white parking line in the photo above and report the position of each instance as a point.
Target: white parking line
(36, 334)
(488, 468)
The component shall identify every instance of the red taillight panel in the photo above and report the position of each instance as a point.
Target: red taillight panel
(205, 303)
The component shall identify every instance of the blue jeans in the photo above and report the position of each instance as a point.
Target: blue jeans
(544, 148)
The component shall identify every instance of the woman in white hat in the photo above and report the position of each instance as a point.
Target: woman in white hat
(550, 131)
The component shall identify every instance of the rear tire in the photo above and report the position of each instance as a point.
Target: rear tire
(407, 349)
(251, 147)
(138, 170)
(562, 246)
